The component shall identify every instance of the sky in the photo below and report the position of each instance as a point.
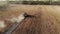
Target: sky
(9, 0)
(2, 0)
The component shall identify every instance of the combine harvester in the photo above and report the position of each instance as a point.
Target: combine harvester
(17, 21)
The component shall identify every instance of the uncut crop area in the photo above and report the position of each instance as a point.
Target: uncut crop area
(46, 20)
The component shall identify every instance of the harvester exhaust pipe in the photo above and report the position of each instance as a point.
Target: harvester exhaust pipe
(28, 15)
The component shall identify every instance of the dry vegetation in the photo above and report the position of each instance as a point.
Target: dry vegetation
(47, 20)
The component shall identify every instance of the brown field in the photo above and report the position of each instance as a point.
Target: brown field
(47, 20)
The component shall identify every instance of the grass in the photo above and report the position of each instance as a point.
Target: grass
(36, 2)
